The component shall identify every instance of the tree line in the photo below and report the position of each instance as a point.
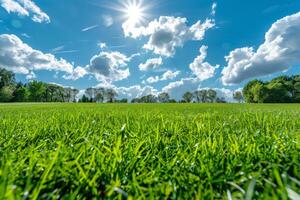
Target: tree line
(34, 91)
(283, 89)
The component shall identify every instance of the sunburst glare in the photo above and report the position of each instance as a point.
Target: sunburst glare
(134, 11)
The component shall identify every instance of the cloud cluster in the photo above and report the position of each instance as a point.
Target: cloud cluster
(151, 64)
(25, 8)
(203, 70)
(109, 66)
(167, 33)
(279, 52)
(21, 58)
(168, 75)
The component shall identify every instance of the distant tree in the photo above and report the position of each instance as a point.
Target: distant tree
(7, 78)
(172, 101)
(100, 95)
(74, 94)
(201, 96)
(21, 93)
(51, 92)
(37, 91)
(111, 95)
(6, 93)
(204, 96)
(124, 100)
(238, 96)
(187, 97)
(148, 99)
(84, 99)
(68, 94)
(211, 95)
(91, 92)
(164, 97)
(136, 100)
(197, 95)
(221, 100)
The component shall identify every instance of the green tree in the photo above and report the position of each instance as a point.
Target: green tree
(238, 96)
(100, 95)
(188, 97)
(164, 97)
(111, 95)
(7, 78)
(249, 91)
(211, 95)
(37, 91)
(6, 93)
(21, 93)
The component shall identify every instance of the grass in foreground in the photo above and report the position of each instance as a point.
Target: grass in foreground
(173, 151)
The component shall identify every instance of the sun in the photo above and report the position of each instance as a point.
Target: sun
(134, 11)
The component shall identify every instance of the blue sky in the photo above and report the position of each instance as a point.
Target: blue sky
(74, 30)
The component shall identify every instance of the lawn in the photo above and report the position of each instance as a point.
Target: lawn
(153, 151)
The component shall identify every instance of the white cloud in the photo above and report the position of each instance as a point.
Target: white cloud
(77, 73)
(151, 64)
(21, 58)
(107, 20)
(167, 33)
(203, 70)
(25, 8)
(279, 52)
(109, 66)
(178, 88)
(214, 8)
(135, 91)
(168, 75)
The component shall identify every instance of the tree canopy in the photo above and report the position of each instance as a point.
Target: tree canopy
(283, 89)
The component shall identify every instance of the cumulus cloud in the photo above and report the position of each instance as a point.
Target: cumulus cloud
(178, 88)
(76, 74)
(109, 66)
(168, 75)
(279, 52)
(21, 58)
(25, 8)
(135, 91)
(203, 70)
(151, 64)
(167, 33)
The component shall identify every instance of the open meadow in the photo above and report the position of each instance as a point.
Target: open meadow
(149, 151)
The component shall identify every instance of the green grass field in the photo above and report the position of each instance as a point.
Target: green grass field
(154, 151)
